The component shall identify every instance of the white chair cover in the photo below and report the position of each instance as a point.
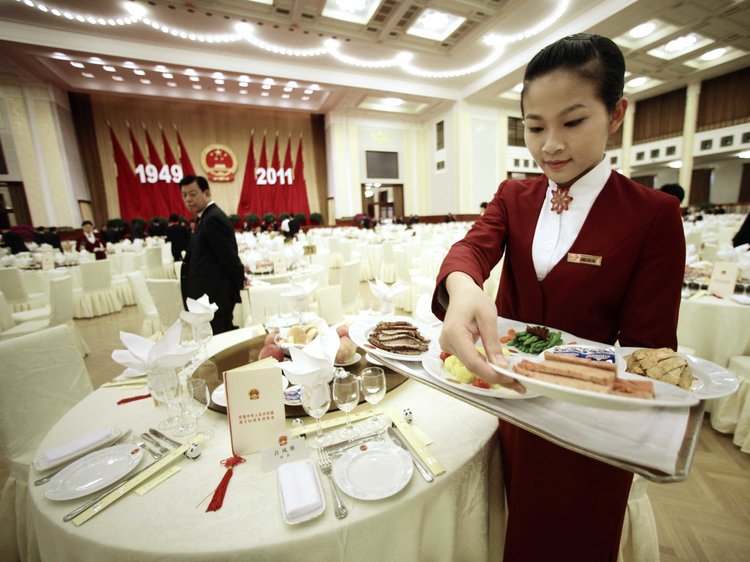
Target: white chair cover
(350, 286)
(731, 414)
(639, 541)
(6, 317)
(266, 300)
(16, 294)
(167, 297)
(43, 376)
(153, 265)
(324, 259)
(97, 296)
(151, 323)
(330, 307)
(387, 272)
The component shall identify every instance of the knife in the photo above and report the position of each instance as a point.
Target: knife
(398, 439)
(160, 435)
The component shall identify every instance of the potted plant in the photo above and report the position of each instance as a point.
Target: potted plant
(316, 218)
(301, 218)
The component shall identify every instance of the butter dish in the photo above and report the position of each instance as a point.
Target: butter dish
(300, 491)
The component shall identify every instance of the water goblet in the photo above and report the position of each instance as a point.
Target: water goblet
(195, 402)
(346, 396)
(164, 386)
(316, 399)
(372, 381)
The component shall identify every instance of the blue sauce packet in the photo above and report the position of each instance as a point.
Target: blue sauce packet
(606, 354)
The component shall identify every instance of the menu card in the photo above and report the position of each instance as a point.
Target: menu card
(723, 278)
(255, 406)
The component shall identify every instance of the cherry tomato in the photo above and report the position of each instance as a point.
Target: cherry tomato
(444, 355)
(480, 383)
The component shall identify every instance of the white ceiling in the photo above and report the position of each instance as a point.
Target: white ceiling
(250, 42)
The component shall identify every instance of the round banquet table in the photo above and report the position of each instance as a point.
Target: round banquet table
(460, 516)
(715, 328)
(309, 271)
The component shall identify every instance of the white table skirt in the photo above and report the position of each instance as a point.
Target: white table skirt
(731, 414)
(460, 516)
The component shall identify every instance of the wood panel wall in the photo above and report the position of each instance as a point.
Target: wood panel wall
(659, 117)
(199, 125)
(724, 100)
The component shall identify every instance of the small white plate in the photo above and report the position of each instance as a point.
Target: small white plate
(741, 299)
(93, 472)
(219, 395)
(379, 471)
(290, 402)
(354, 360)
(363, 326)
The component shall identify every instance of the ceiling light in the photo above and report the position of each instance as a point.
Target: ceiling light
(354, 11)
(135, 10)
(713, 54)
(288, 89)
(637, 82)
(197, 87)
(161, 68)
(118, 78)
(643, 30)
(266, 86)
(220, 89)
(243, 84)
(243, 28)
(305, 98)
(109, 68)
(393, 101)
(168, 75)
(244, 78)
(518, 88)
(59, 55)
(264, 94)
(285, 96)
(269, 81)
(77, 64)
(675, 164)
(681, 43)
(145, 81)
(96, 60)
(744, 154)
(172, 84)
(129, 64)
(217, 75)
(308, 91)
(194, 79)
(435, 25)
(292, 84)
(243, 92)
(314, 87)
(218, 81)
(87, 75)
(189, 71)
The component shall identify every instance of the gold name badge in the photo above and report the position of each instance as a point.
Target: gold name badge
(585, 258)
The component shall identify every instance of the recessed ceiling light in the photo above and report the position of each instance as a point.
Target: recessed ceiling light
(518, 88)
(109, 68)
(195, 79)
(676, 164)
(435, 25)
(266, 86)
(269, 81)
(681, 43)
(243, 92)
(77, 64)
(161, 68)
(393, 101)
(59, 55)
(288, 89)
(220, 89)
(118, 78)
(244, 78)
(197, 87)
(219, 81)
(96, 60)
(189, 71)
(308, 91)
(713, 54)
(168, 75)
(217, 75)
(314, 87)
(139, 72)
(172, 84)
(354, 11)
(87, 75)
(292, 84)
(243, 84)
(135, 10)
(305, 98)
(744, 154)
(641, 31)
(637, 82)
(145, 81)
(264, 94)
(285, 96)
(129, 64)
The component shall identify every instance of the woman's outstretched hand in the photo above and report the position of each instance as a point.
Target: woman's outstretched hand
(471, 314)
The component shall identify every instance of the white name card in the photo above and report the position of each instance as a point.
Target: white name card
(723, 279)
(255, 406)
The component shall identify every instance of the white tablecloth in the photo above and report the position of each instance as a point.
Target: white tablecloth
(445, 520)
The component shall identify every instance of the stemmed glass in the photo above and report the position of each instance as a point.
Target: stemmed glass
(316, 399)
(346, 396)
(164, 385)
(195, 401)
(372, 380)
(202, 334)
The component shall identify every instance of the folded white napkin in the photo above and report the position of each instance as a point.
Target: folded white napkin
(199, 311)
(142, 354)
(303, 288)
(54, 455)
(313, 364)
(382, 291)
(300, 490)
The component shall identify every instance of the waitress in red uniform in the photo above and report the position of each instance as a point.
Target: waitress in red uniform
(587, 251)
(91, 241)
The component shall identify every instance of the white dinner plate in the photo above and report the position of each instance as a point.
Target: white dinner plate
(93, 472)
(363, 326)
(504, 325)
(741, 299)
(665, 395)
(219, 395)
(709, 379)
(379, 471)
(435, 368)
(354, 360)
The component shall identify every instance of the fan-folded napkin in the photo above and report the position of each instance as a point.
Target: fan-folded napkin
(142, 354)
(303, 288)
(313, 364)
(92, 439)
(385, 292)
(199, 310)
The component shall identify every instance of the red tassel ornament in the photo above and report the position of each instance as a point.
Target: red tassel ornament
(133, 399)
(218, 500)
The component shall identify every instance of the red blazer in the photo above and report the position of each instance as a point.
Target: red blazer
(99, 248)
(633, 297)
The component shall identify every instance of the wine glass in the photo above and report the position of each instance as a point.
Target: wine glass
(195, 402)
(164, 386)
(202, 334)
(316, 399)
(372, 380)
(346, 396)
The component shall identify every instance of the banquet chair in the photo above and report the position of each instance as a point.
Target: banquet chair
(387, 271)
(153, 265)
(266, 300)
(16, 293)
(97, 296)
(61, 313)
(43, 376)
(639, 541)
(336, 257)
(731, 414)
(167, 297)
(151, 322)
(324, 259)
(330, 307)
(350, 286)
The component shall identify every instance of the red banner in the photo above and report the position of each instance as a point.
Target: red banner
(187, 166)
(286, 187)
(264, 195)
(176, 204)
(148, 207)
(127, 193)
(249, 197)
(299, 190)
(161, 186)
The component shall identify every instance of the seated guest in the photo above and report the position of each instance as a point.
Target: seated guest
(179, 235)
(91, 241)
(53, 238)
(39, 236)
(743, 234)
(13, 241)
(674, 189)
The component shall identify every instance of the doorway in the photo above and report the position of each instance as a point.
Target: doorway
(382, 200)
(14, 209)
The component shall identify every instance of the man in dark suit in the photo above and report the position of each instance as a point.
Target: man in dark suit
(179, 235)
(211, 265)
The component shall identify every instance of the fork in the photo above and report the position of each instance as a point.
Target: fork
(142, 445)
(325, 466)
(155, 443)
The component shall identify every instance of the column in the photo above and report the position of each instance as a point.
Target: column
(627, 140)
(692, 96)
